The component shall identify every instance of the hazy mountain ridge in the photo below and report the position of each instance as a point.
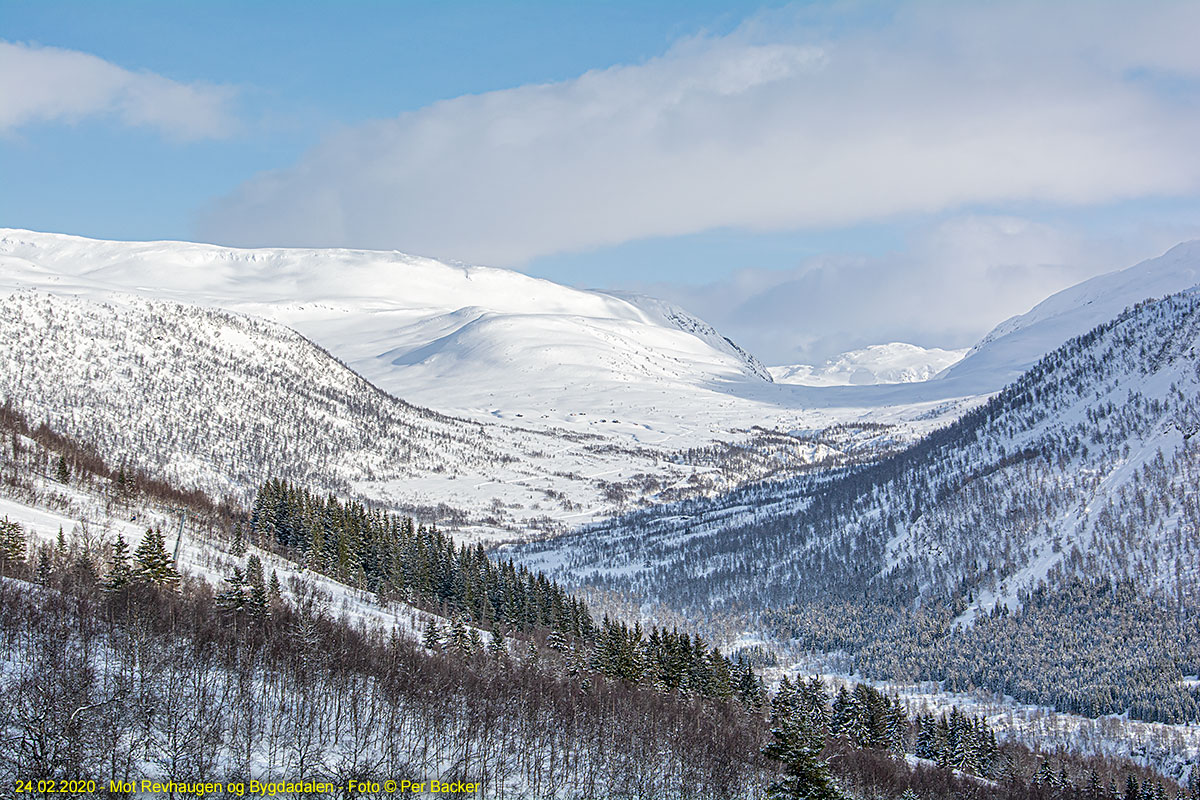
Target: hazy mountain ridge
(895, 362)
(1019, 342)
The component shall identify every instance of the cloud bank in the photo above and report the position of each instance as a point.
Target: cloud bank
(48, 84)
(802, 119)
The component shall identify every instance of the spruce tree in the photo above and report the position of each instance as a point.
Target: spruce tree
(841, 721)
(432, 638)
(805, 774)
(927, 745)
(151, 562)
(60, 547)
(12, 545)
(556, 640)
(459, 639)
(256, 600)
(233, 598)
(496, 645)
(119, 573)
(239, 540)
(45, 566)
(895, 724)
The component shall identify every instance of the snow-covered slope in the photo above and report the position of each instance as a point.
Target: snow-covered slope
(222, 401)
(896, 362)
(1017, 343)
(413, 326)
(485, 344)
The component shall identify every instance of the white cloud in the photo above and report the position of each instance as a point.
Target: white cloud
(805, 119)
(956, 281)
(47, 84)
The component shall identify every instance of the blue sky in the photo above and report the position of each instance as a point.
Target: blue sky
(300, 70)
(809, 177)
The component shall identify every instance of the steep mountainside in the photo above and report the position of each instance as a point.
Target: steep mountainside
(216, 399)
(1016, 344)
(1045, 546)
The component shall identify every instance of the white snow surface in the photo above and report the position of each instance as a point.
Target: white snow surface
(895, 362)
(410, 325)
(497, 345)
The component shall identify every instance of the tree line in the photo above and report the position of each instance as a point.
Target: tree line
(419, 564)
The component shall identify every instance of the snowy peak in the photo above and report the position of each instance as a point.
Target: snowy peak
(671, 315)
(271, 275)
(895, 362)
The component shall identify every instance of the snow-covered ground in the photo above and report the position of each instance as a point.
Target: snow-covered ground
(1172, 749)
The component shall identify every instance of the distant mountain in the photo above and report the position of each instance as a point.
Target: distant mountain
(504, 341)
(896, 362)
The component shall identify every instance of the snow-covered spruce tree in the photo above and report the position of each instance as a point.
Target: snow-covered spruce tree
(12, 546)
(119, 573)
(459, 638)
(798, 746)
(256, 602)
(432, 638)
(152, 563)
(556, 640)
(497, 646)
(232, 598)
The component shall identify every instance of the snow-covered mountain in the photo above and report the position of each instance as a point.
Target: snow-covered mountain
(507, 343)
(1016, 344)
(485, 344)
(221, 401)
(896, 362)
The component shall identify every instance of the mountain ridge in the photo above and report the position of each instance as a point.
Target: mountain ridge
(1018, 342)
